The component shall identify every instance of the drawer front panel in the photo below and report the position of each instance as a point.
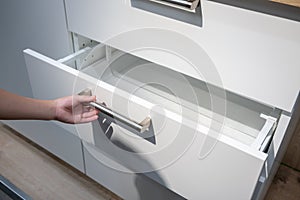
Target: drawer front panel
(245, 46)
(48, 82)
(173, 157)
(184, 173)
(127, 185)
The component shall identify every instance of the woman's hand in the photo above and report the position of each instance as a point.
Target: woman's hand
(74, 109)
(70, 109)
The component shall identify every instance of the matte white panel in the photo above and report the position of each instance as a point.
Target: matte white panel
(280, 132)
(231, 172)
(50, 79)
(127, 185)
(256, 55)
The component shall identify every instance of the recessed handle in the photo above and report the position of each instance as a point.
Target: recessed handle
(190, 4)
(140, 127)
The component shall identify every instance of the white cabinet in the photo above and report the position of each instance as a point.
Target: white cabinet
(218, 110)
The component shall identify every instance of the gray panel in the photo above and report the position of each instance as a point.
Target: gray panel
(36, 24)
(40, 25)
(53, 138)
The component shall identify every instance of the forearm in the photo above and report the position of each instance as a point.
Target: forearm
(13, 106)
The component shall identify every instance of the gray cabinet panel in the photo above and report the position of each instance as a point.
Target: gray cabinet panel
(53, 138)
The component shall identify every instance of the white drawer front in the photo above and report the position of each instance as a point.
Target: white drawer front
(127, 185)
(186, 174)
(245, 46)
(231, 167)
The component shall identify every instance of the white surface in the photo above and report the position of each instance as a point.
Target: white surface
(188, 175)
(245, 46)
(280, 132)
(230, 161)
(127, 185)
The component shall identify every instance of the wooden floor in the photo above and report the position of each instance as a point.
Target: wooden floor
(43, 176)
(285, 185)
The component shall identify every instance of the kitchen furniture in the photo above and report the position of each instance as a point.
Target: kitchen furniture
(221, 95)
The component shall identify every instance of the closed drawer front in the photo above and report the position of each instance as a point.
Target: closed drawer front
(237, 41)
(127, 185)
(191, 147)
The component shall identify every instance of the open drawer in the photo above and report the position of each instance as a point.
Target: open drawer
(198, 141)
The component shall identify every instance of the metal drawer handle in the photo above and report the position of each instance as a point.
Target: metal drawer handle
(190, 4)
(140, 127)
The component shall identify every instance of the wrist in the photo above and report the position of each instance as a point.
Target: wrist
(52, 105)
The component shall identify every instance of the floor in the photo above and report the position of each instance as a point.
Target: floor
(286, 185)
(43, 176)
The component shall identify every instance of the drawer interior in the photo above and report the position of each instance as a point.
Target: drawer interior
(240, 118)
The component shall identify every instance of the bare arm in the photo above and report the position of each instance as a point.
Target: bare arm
(69, 109)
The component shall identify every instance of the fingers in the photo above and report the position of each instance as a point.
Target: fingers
(85, 117)
(88, 108)
(88, 119)
(90, 114)
(84, 99)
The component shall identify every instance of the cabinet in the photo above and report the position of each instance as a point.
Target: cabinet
(219, 113)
